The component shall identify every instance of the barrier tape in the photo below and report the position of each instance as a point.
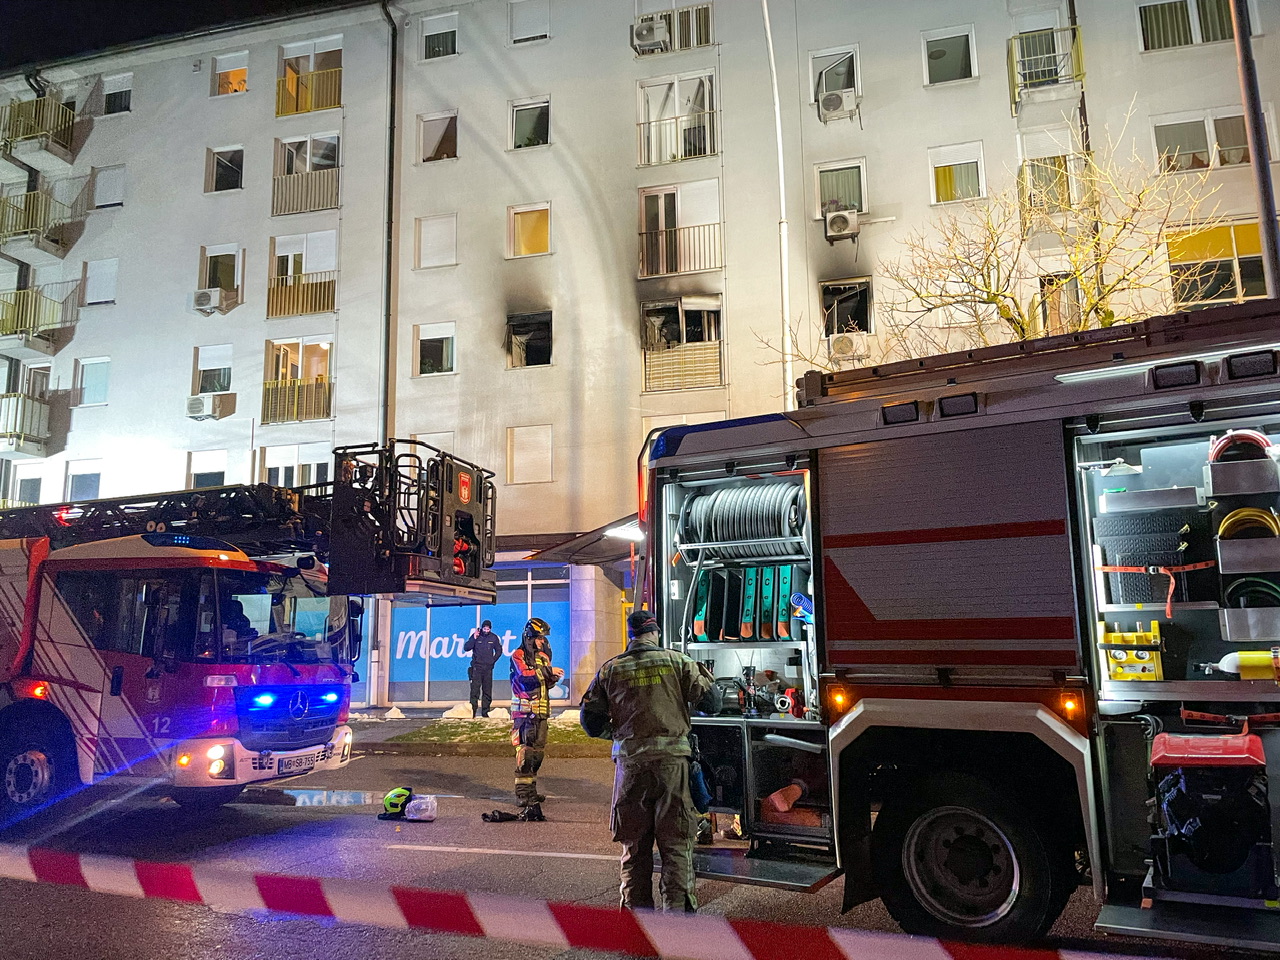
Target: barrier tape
(538, 922)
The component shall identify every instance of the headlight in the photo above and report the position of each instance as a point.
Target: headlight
(216, 767)
(217, 752)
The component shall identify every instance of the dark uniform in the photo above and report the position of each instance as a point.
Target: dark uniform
(486, 650)
(532, 678)
(641, 698)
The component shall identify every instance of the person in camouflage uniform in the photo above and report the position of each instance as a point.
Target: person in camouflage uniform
(532, 678)
(641, 699)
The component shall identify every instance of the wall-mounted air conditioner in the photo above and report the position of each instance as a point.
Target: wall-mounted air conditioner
(841, 225)
(650, 36)
(211, 406)
(838, 104)
(852, 346)
(214, 300)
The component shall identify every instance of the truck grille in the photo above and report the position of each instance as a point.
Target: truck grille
(296, 716)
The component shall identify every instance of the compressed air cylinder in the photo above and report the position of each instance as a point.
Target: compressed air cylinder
(1250, 664)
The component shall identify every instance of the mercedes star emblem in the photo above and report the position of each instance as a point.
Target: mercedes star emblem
(298, 705)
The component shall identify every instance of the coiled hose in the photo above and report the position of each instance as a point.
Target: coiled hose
(737, 515)
(1248, 518)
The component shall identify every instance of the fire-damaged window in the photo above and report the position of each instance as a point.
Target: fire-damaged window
(846, 306)
(529, 339)
(681, 343)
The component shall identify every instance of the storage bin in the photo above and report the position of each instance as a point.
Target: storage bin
(1251, 624)
(1261, 555)
(1239, 477)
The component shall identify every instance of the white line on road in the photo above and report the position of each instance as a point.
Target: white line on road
(519, 853)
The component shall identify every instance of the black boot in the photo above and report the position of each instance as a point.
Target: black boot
(533, 814)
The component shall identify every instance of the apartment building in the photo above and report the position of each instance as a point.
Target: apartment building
(585, 242)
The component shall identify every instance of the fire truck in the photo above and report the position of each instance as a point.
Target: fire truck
(993, 625)
(200, 641)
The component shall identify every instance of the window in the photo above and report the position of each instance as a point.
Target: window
(529, 454)
(840, 187)
(303, 274)
(686, 27)
(530, 123)
(1060, 305)
(230, 74)
(1219, 265)
(1199, 141)
(304, 253)
(957, 172)
(437, 241)
(108, 186)
(224, 169)
(530, 20)
(681, 343)
(833, 71)
(846, 306)
(439, 137)
(100, 281)
(1179, 23)
(220, 267)
(208, 468)
(297, 384)
(949, 55)
(435, 348)
(298, 359)
(310, 76)
(680, 228)
(529, 340)
(305, 154)
(91, 381)
(28, 489)
(529, 230)
(213, 368)
(1046, 185)
(677, 118)
(296, 464)
(117, 93)
(440, 36)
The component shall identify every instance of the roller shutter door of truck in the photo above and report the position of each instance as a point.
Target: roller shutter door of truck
(950, 551)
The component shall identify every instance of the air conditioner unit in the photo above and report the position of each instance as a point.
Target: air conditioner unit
(214, 300)
(838, 105)
(650, 36)
(851, 346)
(211, 406)
(841, 225)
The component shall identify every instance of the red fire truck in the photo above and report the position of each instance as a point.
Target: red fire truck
(199, 641)
(996, 624)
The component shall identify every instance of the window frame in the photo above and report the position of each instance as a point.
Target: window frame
(222, 250)
(819, 168)
(198, 371)
(524, 103)
(424, 331)
(867, 280)
(115, 280)
(1208, 118)
(422, 36)
(270, 367)
(128, 89)
(97, 172)
(71, 472)
(216, 73)
(78, 388)
(512, 41)
(982, 172)
(282, 143)
(509, 339)
(211, 167)
(945, 33)
(1193, 15)
(850, 49)
(1236, 273)
(513, 211)
(423, 119)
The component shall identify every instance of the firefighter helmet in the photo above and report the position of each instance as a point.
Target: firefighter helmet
(536, 627)
(394, 802)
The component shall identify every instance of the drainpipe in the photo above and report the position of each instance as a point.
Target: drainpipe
(784, 274)
(388, 290)
(1259, 152)
(1086, 145)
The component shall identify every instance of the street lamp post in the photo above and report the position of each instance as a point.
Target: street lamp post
(1259, 154)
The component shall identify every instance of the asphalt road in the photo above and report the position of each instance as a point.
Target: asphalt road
(458, 851)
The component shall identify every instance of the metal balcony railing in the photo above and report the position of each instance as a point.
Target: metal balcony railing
(33, 119)
(284, 401)
(680, 250)
(40, 309)
(1043, 58)
(6, 504)
(304, 192)
(305, 92)
(302, 293)
(677, 138)
(684, 366)
(23, 417)
(31, 214)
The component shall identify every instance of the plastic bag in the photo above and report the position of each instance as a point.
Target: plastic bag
(421, 807)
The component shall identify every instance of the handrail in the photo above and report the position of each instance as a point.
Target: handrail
(30, 119)
(285, 401)
(23, 416)
(305, 92)
(683, 137)
(683, 366)
(1043, 58)
(35, 212)
(680, 250)
(301, 293)
(304, 192)
(38, 309)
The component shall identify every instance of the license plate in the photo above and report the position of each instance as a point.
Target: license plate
(302, 764)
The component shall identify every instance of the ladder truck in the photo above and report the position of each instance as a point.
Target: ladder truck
(996, 625)
(199, 641)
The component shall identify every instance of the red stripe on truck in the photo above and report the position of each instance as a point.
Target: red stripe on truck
(1017, 658)
(986, 531)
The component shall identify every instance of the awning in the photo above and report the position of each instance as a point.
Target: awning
(596, 547)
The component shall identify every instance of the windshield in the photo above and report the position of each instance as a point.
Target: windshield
(267, 618)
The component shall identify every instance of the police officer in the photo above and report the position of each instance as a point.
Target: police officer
(486, 650)
(641, 699)
(532, 678)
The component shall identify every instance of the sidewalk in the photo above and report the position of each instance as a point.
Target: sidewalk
(427, 735)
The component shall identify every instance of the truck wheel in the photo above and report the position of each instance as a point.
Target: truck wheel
(953, 859)
(205, 798)
(35, 769)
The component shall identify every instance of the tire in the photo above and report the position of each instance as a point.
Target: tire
(205, 798)
(36, 768)
(952, 858)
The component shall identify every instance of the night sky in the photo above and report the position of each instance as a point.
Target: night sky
(37, 31)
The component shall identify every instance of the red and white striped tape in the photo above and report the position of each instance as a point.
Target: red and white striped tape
(540, 922)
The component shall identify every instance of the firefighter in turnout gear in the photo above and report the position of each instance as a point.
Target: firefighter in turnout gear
(641, 699)
(532, 678)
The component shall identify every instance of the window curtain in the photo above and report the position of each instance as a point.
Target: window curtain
(840, 189)
(958, 181)
(1165, 25)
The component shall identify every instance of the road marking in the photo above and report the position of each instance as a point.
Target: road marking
(519, 853)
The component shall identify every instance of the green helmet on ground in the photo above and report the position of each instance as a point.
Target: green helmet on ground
(395, 801)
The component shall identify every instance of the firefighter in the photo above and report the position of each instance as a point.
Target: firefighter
(532, 678)
(641, 698)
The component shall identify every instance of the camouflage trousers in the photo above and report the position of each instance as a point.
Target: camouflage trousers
(529, 737)
(651, 805)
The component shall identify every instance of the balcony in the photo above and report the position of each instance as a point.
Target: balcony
(1045, 65)
(308, 92)
(677, 138)
(24, 426)
(680, 250)
(32, 226)
(39, 133)
(304, 192)
(301, 294)
(684, 366)
(287, 401)
(29, 318)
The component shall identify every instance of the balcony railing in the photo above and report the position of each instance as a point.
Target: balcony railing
(305, 92)
(677, 138)
(683, 366)
(1043, 58)
(23, 417)
(31, 214)
(304, 192)
(301, 294)
(680, 250)
(39, 310)
(34, 119)
(284, 401)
